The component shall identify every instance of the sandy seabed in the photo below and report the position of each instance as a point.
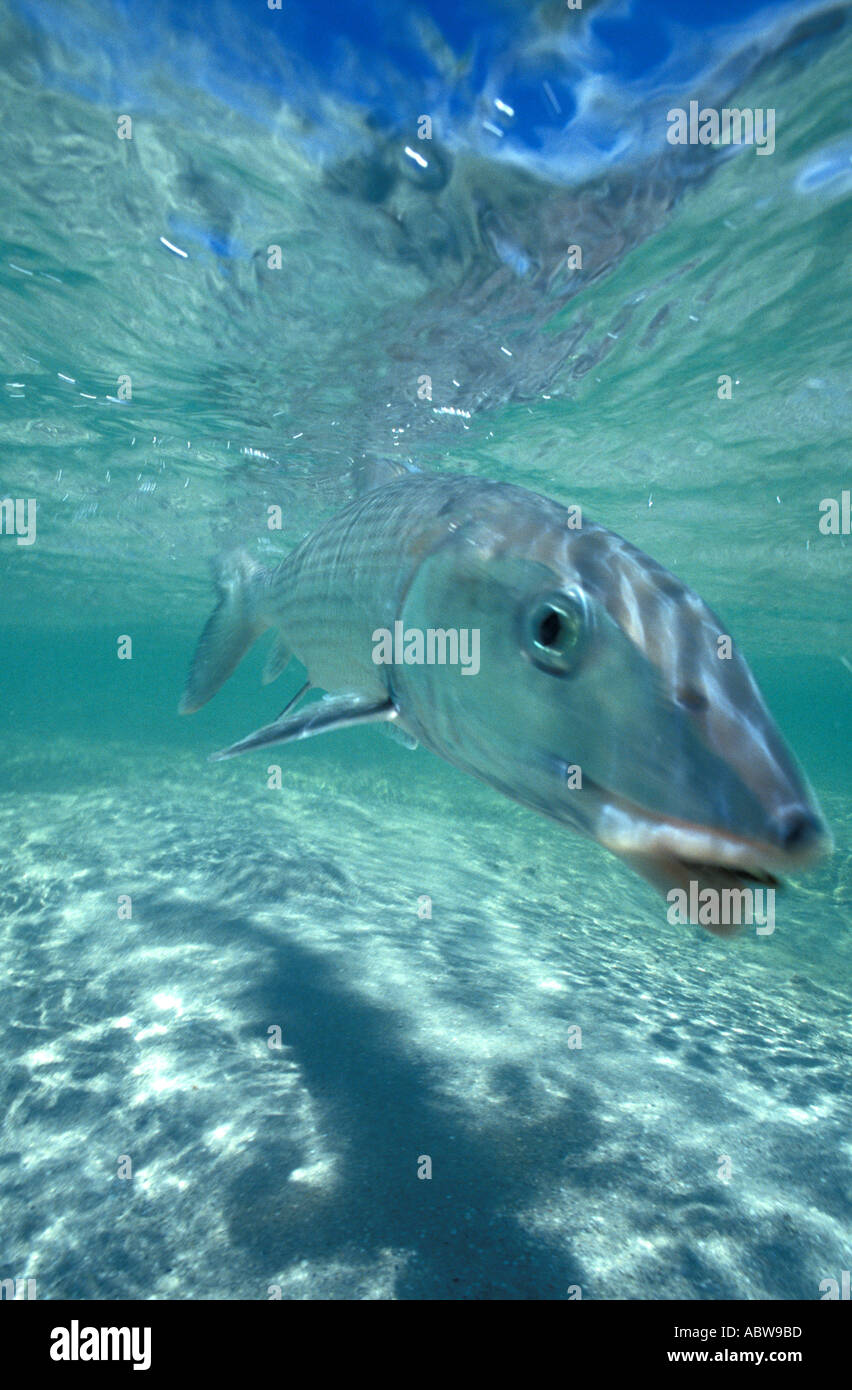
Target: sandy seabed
(695, 1145)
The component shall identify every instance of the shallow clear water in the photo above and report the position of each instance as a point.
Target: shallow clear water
(553, 1166)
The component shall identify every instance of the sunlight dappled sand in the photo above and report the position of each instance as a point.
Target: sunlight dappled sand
(454, 1036)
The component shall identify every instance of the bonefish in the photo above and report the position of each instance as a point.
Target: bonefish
(607, 696)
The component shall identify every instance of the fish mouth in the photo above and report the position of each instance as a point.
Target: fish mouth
(674, 854)
(674, 871)
(668, 872)
(730, 875)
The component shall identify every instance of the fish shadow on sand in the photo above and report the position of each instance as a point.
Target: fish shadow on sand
(478, 1229)
(383, 1105)
(379, 1104)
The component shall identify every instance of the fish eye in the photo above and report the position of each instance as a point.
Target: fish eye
(555, 628)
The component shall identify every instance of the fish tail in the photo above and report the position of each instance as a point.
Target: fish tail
(235, 624)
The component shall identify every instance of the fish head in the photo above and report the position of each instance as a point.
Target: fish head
(608, 696)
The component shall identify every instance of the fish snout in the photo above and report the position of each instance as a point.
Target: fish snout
(800, 833)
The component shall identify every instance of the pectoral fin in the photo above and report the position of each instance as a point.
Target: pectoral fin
(332, 712)
(277, 660)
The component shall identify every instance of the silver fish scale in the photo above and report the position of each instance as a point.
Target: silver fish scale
(350, 577)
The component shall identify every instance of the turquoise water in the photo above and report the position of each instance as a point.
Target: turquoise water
(554, 1167)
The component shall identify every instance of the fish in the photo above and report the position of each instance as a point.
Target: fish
(608, 696)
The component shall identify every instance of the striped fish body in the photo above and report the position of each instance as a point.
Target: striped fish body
(607, 694)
